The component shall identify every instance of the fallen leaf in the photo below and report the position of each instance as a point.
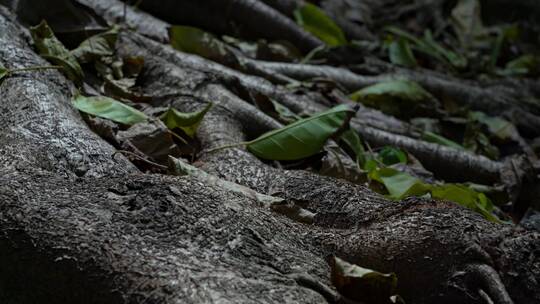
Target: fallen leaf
(401, 98)
(400, 53)
(361, 284)
(3, 72)
(196, 41)
(392, 155)
(315, 21)
(399, 184)
(53, 50)
(300, 139)
(97, 46)
(188, 122)
(109, 108)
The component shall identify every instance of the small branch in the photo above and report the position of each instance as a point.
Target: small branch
(139, 158)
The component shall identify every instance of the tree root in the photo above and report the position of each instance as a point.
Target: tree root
(145, 238)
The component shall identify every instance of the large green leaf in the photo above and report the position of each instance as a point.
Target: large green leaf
(399, 52)
(97, 46)
(361, 284)
(52, 49)
(109, 108)
(300, 139)
(196, 41)
(188, 122)
(315, 21)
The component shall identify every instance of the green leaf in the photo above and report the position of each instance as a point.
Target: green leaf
(441, 140)
(361, 284)
(396, 97)
(285, 114)
(521, 66)
(188, 122)
(391, 155)
(300, 139)
(53, 50)
(403, 89)
(399, 184)
(429, 46)
(465, 197)
(196, 41)
(315, 21)
(497, 126)
(453, 58)
(97, 46)
(354, 142)
(475, 140)
(400, 53)
(109, 108)
(3, 71)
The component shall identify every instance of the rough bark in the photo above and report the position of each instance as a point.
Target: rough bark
(91, 236)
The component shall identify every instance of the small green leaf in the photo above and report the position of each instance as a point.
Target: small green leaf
(429, 46)
(400, 53)
(53, 50)
(361, 284)
(315, 21)
(476, 141)
(399, 184)
(441, 140)
(3, 72)
(109, 108)
(351, 138)
(403, 89)
(400, 98)
(521, 66)
(498, 127)
(285, 114)
(300, 139)
(196, 41)
(391, 155)
(455, 59)
(188, 122)
(97, 46)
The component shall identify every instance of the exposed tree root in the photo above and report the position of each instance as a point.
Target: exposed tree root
(86, 236)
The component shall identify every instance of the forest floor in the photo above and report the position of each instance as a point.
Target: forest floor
(265, 151)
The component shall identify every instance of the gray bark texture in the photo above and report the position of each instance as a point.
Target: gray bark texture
(79, 225)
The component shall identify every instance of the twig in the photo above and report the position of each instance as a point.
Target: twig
(139, 158)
